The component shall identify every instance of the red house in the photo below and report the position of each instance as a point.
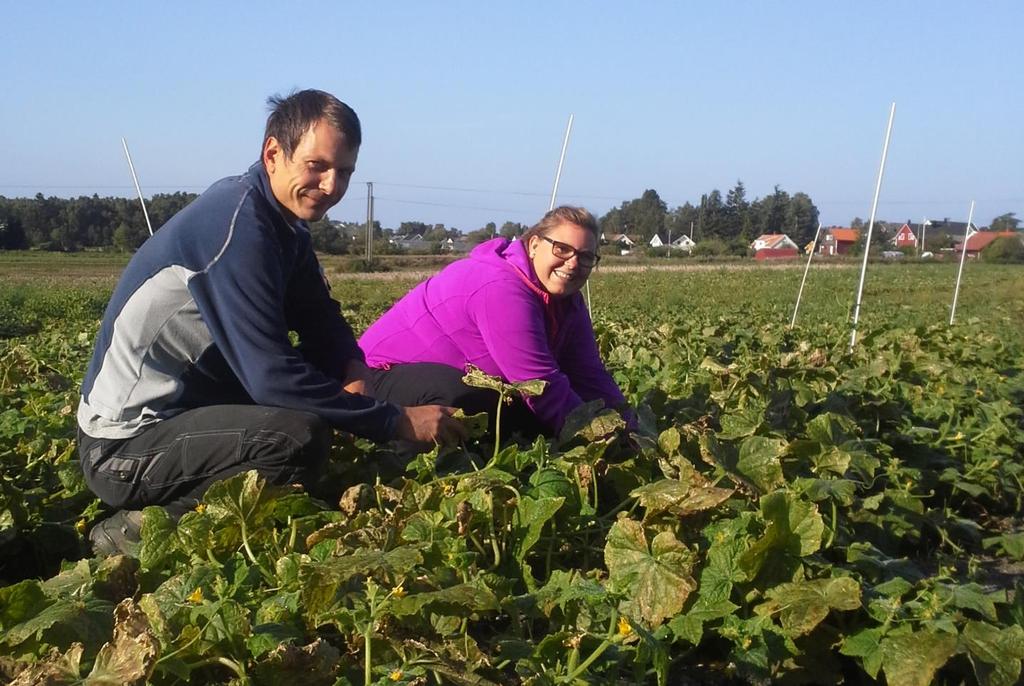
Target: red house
(981, 240)
(838, 241)
(904, 238)
(774, 246)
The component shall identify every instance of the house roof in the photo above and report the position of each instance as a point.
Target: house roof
(772, 240)
(846, 235)
(941, 226)
(983, 239)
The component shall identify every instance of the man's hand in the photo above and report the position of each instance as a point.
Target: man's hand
(430, 424)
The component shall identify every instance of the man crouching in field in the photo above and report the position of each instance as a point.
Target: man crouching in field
(194, 377)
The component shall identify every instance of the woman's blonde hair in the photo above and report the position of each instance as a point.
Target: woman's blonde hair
(565, 214)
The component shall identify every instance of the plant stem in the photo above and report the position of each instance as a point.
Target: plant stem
(494, 542)
(294, 534)
(366, 652)
(605, 644)
(497, 425)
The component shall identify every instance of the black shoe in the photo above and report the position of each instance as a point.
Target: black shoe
(119, 534)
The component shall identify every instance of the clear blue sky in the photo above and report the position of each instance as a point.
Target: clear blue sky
(679, 97)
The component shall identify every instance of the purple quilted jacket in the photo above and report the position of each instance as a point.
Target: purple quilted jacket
(489, 310)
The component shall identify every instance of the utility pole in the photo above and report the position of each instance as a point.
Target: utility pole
(700, 215)
(369, 221)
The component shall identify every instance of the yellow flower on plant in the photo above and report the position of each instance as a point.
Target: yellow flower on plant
(398, 591)
(978, 392)
(395, 675)
(959, 436)
(196, 596)
(449, 489)
(200, 508)
(625, 628)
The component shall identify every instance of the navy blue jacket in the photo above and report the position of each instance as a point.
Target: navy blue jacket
(201, 316)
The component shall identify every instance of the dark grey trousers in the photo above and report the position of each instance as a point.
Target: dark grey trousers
(428, 383)
(173, 462)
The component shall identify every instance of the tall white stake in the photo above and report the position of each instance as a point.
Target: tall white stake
(814, 245)
(137, 189)
(558, 177)
(959, 273)
(561, 160)
(871, 226)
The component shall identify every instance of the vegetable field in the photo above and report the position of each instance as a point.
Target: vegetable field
(790, 512)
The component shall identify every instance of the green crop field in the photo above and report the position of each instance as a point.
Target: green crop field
(790, 512)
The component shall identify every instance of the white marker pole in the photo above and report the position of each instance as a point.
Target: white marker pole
(959, 273)
(137, 189)
(871, 226)
(814, 245)
(561, 160)
(558, 177)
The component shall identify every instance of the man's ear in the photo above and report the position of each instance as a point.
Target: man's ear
(272, 153)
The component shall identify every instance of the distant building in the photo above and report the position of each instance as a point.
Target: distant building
(982, 239)
(904, 238)
(774, 246)
(838, 241)
(619, 240)
(684, 242)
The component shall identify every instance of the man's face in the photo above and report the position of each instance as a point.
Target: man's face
(317, 175)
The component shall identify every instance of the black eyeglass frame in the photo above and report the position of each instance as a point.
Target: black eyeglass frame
(582, 256)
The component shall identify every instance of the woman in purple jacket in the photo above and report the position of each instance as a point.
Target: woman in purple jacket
(511, 308)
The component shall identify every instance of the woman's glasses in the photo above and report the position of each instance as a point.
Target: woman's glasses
(564, 251)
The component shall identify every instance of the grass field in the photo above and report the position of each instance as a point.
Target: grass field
(789, 512)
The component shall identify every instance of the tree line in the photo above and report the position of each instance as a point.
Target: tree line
(70, 224)
(93, 222)
(733, 220)
(727, 224)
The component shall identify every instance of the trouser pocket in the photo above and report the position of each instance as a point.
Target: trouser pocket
(111, 475)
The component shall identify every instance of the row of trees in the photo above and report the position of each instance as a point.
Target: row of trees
(68, 224)
(732, 219)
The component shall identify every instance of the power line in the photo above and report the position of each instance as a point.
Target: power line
(456, 207)
(491, 191)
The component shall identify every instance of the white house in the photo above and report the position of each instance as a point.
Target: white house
(684, 242)
(620, 239)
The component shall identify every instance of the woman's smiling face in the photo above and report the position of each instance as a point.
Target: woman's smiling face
(563, 276)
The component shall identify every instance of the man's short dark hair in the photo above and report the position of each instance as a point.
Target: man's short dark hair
(291, 117)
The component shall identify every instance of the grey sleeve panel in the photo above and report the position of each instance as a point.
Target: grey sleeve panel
(157, 334)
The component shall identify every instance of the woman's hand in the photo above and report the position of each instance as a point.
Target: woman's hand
(356, 379)
(430, 424)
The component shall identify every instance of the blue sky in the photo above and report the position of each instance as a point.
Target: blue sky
(464, 104)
